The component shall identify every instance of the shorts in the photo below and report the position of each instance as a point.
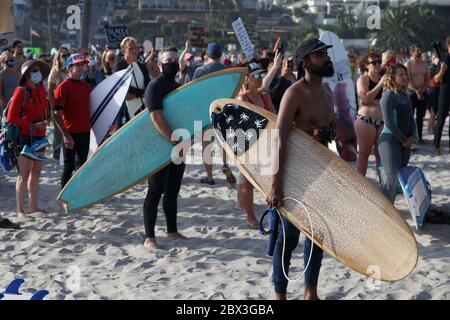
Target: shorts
(26, 141)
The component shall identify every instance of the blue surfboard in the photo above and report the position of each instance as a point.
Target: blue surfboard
(138, 150)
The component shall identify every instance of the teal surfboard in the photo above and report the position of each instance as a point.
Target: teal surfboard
(138, 150)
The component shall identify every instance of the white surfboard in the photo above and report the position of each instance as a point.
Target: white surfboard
(417, 191)
(106, 100)
(137, 81)
(344, 94)
(12, 293)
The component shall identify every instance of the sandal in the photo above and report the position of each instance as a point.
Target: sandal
(208, 182)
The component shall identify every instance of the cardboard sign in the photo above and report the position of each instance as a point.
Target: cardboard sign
(159, 43)
(115, 35)
(199, 36)
(243, 38)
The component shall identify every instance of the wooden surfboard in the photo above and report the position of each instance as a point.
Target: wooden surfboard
(352, 220)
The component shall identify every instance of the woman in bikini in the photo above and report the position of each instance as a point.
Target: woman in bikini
(254, 94)
(369, 123)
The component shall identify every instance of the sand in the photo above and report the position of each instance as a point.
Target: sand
(98, 253)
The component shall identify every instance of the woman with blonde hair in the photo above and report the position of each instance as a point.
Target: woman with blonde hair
(369, 122)
(57, 75)
(399, 130)
(108, 62)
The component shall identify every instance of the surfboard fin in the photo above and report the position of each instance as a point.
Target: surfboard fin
(40, 295)
(14, 287)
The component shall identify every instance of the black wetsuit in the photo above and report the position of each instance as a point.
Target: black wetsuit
(168, 180)
(444, 103)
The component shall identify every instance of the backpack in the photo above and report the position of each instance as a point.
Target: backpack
(10, 131)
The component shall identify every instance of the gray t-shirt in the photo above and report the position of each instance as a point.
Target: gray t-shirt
(10, 81)
(209, 68)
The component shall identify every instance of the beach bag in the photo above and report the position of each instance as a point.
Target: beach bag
(8, 159)
(11, 132)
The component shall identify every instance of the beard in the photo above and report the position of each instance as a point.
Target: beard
(325, 71)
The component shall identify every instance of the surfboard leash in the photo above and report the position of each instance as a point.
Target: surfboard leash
(274, 235)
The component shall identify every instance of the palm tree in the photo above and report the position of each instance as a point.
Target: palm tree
(403, 26)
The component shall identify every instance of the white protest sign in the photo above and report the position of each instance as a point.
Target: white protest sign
(243, 38)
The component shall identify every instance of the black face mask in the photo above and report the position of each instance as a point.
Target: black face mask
(170, 69)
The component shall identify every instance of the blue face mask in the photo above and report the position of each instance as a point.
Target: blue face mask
(10, 63)
(36, 77)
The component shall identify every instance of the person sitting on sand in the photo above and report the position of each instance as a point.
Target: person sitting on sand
(308, 104)
(167, 181)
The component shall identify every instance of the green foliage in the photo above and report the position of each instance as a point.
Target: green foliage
(403, 26)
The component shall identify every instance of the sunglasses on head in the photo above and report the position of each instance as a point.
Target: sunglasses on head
(375, 62)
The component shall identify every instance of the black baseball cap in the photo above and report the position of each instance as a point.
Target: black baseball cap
(308, 47)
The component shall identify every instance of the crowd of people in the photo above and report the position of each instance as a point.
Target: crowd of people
(393, 97)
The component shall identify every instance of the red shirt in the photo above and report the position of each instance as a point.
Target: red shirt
(35, 110)
(73, 97)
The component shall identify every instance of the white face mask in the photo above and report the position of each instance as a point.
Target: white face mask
(36, 77)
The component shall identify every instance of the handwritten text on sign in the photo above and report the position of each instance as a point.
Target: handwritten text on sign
(116, 34)
(198, 36)
(243, 38)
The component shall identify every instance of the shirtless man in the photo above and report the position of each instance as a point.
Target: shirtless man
(307, 104)
(419, 77)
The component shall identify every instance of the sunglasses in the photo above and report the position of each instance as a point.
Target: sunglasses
(258, 76)
(375, 62)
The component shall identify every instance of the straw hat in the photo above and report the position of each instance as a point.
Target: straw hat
(29, 65)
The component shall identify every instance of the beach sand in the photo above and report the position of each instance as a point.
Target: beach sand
(98, 253)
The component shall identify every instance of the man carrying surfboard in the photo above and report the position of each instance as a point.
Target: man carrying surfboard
(309, 105)
(168, 180)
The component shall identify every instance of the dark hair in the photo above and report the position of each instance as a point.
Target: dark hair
(16, 43)
(414, 47)
(169, 49)
(364, 60)
(447, 41)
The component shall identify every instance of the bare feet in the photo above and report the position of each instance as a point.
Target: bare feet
(23, 216)
(311, 293)
(151, 244)
(37, 210)
(280, 296)
(253, 224)
(176, 236)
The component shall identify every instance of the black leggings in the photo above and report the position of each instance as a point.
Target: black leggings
(81, 149)
(444, 103)
(420, 109)
(167, 182)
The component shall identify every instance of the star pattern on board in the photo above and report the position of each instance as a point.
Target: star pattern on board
(239, 127)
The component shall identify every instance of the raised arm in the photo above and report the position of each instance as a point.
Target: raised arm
(366, 95)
